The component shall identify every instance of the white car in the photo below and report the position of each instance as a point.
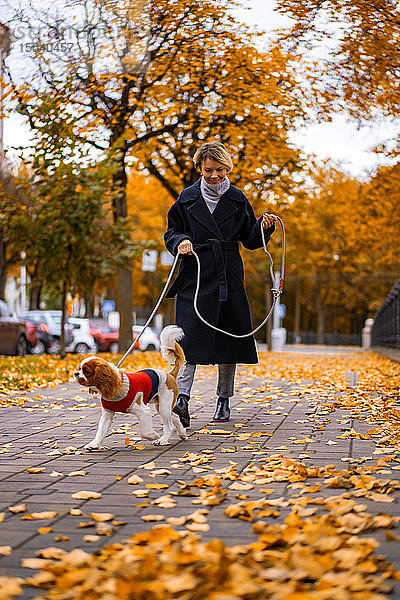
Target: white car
(83, 341)
(149, 339)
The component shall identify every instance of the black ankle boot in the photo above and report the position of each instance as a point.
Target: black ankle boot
(181, 409)
(222, 412)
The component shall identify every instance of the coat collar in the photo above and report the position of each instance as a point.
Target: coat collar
(199, 210)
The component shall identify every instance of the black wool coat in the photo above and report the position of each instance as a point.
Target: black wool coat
(222, 298)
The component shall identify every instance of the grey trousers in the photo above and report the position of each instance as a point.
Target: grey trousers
(225, 385)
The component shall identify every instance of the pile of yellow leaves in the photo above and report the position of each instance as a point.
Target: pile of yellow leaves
(30, 372)
(375, 373)
(375, 396)
(316, 558)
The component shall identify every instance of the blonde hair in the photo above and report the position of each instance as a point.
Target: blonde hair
(216, 151)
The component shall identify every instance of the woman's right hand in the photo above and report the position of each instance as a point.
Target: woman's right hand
(185, 247)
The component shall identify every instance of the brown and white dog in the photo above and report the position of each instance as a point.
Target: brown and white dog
(133, 392)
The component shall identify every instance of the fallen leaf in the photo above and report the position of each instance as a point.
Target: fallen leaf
(135, 479)
(91, 538)
(236, 485)
(86, 495)
(156, 486)
(17, 508)
(43, 530)
(101, 517)
(39, 515)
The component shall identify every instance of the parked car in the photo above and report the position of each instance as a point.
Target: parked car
(83, 342)
(32, 336)
(149, 340)
(13, 333)
(47, 343)
(106, 337)
(48, 323)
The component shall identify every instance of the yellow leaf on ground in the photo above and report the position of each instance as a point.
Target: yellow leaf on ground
(198, 526)
(156, 486)
(176, 521)
(85, 495)
(91, 538)
(47, 514)
(101, 517)
(150, 465)
(43, 530)
(236, 485)
(10, 586)
(135, 479)
(140, 493)
(76, 512)
(17, 508)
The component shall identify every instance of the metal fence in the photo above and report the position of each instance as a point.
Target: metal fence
(386, 327)
(327, 339)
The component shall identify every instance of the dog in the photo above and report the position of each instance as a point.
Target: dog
(133, 392)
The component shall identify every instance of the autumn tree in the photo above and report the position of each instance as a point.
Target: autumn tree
(248, 99)
(66, 228)
(335, 275)
(380, 202)
(140, 77)
(71, 237)
(357, 50)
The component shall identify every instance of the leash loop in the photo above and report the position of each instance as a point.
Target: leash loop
(276, 290)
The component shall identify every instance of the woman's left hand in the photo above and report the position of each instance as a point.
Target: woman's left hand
(269, 220)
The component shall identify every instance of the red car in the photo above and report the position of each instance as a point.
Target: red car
(13, 333)
(105, 337)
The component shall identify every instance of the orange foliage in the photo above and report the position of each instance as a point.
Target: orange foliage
(148, 204)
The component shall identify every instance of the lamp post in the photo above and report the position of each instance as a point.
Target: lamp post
(23, 284)
(5, 39)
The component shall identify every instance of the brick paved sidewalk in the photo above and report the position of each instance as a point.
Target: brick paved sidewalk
(50, 431)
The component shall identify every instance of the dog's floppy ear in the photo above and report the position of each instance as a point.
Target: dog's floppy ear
(107, 380)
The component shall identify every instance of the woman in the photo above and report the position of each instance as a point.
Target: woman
(211, 217)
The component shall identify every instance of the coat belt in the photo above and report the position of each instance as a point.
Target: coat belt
(217, 247)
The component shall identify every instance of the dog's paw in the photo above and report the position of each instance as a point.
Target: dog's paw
(91, 446)
(161, 442)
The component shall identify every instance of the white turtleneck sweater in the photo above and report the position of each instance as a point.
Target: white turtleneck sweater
(213, 192)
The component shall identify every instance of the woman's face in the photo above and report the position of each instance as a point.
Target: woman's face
(212, 171)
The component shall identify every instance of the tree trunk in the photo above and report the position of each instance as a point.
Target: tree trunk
(320, 313)
(89, 307)
(34, 298)
(63, 353)
(35, 288)
(124, 307)
(124, 302)
(3, 265)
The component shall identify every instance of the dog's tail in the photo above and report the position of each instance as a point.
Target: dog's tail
(170, 349)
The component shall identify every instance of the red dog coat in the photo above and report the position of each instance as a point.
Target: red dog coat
(145, 381)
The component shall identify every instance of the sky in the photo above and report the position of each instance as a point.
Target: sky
(341, 139)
